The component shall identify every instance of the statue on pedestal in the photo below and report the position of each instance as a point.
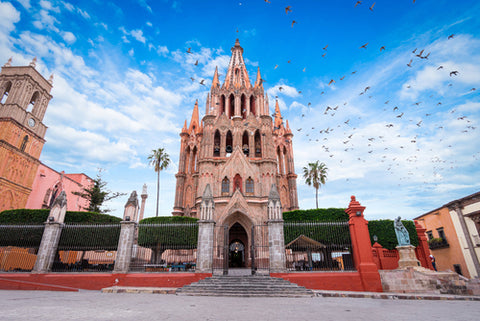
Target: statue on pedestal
(403, 237)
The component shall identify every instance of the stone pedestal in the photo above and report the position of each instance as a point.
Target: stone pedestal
(276, 243)
(205, 246)
(125, 246)
(48, 247)
(407, 256)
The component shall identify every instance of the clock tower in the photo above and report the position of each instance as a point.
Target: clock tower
(24, 97)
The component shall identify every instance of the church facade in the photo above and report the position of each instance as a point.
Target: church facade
(237, 159)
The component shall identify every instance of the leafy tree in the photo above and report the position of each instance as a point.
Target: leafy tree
(96, 194)
(160, 160)
(315, 174)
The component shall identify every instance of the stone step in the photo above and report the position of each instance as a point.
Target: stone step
(245, 286)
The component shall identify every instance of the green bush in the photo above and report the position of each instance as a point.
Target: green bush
(39, 216)
(317, 215)
(168, 232)
(385, 232)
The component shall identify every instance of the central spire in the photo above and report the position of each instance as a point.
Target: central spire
(237, 75)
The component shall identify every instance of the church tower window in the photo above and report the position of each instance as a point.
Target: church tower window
(216, 144)
(231, 103)
(252, 105)
(225, 186)
(244, 107)
(229, 143)
(237, 182)
(32, 101)
(24, 143)
(8, 87)
(258, 144)
(222, 104)
(245, 148)
(249, 186)
(285, 161)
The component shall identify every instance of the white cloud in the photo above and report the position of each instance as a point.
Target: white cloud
(8, 16)
(69, 37)
(25, 3)
(138, 35)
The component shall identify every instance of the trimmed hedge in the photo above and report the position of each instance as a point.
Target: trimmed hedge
(385, 232)
(81, 239)
(316, 215)
(39, 216)
(168, 232)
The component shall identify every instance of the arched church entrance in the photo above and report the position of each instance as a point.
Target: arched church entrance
(238, 245)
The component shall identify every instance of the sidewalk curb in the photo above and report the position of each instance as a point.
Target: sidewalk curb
(395, 296)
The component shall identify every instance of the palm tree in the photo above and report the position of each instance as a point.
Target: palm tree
(160, 160)
(315, 174)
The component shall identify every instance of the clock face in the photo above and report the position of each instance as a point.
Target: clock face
(31, 122)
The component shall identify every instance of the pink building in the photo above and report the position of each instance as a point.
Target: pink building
(49, 183)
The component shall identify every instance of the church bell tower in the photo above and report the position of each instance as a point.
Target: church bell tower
(24, 97)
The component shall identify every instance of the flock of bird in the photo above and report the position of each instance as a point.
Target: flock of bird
(384, 147)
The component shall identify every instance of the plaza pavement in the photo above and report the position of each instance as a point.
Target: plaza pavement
(94, 305)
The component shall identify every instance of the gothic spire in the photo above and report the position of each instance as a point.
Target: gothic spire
(237, 75)
(278, 123)
(194, 123)
(215, 82)
(259, 80)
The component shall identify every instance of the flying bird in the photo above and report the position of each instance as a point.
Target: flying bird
(202, 82)
(373, 5)
(325, 48)
(196, 63)
(288, 9)
(410, 63)
(451, 36)
(276, 66)
(440, 67)
(364, 46)
(358, 2)
(331, 81)
(454, 73)
(293, 22)
(382, 48)
(189, 50)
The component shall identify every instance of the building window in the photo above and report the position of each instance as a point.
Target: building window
(441, 234)
(33, 101)
(229, 143)
(245, 148)
(249, 186)
(258, 145)
(225, 186)
(8, 87)
(430, 235)
(24, 143)
(216, 144)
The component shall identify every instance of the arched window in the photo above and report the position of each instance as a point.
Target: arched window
(225, 186)
(229, 143)
(249, 186)
(280, 161)
(216, 144)
(231, 103)
(237, 182)
(6, 91)
(194, 160)
(24, 143)
(186, 163)
(245, 148)
(33, 101)
(285, 161)
(243, 101)
(222, 104)
(258, 144)
(252, 105)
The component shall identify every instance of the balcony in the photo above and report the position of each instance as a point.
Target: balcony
(438, 243)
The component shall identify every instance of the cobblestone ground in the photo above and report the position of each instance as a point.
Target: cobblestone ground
(93, 305)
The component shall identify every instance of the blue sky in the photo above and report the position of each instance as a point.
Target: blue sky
(406, 145)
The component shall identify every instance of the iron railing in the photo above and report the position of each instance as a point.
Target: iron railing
(318, 246)
(260, 255)
(165, 247)
(220, 250)
(19, 246)
(87, 248)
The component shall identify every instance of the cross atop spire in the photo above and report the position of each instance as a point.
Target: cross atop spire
(237, 75)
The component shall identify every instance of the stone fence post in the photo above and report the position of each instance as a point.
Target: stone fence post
(362, 247)
(423, 250)
(125, 246)
(48, 247)
(206, 227)
(275, 232)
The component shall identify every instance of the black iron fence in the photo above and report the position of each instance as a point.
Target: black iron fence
(318, 246)
(87, 248)
(220, 250)
(19, 247)
(260, 255)
(165, 247)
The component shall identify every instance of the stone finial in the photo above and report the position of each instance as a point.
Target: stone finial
(58, 208)
(132, 199)
(61, 200)
(207, 193)
(33, 63)
(8, 63)
(274, 193)
(144, 189)
(50, 80)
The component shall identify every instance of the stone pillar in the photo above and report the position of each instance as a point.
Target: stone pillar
(48, 247)
(206, 227)
(423, 250)
(276, 240)
(51, 235)
(407, 256)
(362, 247)
(125, 246)
(144, 196)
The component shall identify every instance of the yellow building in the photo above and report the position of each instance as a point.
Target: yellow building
(453, 232)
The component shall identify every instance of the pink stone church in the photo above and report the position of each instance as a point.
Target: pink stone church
(236, 159)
